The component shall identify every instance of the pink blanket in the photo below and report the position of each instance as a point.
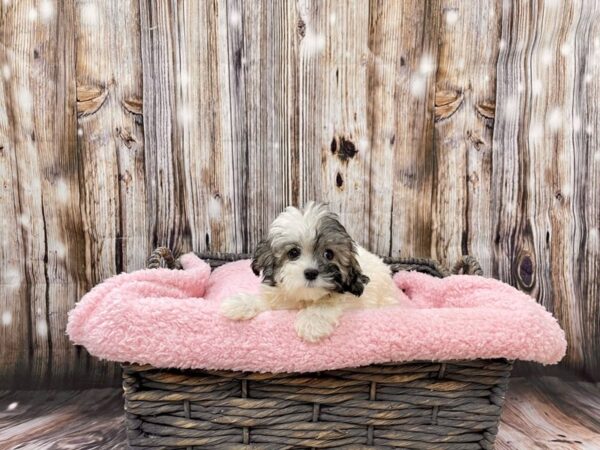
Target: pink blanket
(170, 318)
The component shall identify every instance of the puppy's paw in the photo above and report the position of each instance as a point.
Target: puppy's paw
(313, 327)
(241, 306)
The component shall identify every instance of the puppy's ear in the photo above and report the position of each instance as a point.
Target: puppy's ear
(356, 281)
(264, 261)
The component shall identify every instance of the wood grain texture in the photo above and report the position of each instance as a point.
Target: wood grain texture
(42, 231)
(542, 413)
(400, 125)
(465, 80)
(61, 420)
(435, 128)
(334, 142)
(110, 143)
(546, 205)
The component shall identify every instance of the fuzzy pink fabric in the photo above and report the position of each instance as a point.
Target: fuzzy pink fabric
(170, 318)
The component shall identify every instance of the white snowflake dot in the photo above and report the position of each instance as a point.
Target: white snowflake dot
(79, 131)
(32, 15)
(12, 276)
(214, 208)
(185, 114)
(536, 131)
(12, 406)
(313, 42)
(6, 318)
(363, 144)
(25, 98)
(184, 78)
(587, 78)
(6, 72)
(418, 86)
(47, 10)
(235, 18)
(502, 44)
(576, 123)
(42, 328)
(61, 250)
(536, 87)
(427, 65)
(451, 16)
(555, 119)
(594, 239)
(565, 49)
(62, 191)
(546, 57)
(332, 18)
(89, 14)
(511, 107)
(589, 130)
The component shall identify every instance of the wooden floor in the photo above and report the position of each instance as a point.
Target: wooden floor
(543, 413)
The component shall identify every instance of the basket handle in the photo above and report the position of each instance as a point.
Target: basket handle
(162, 257)
(468, 265)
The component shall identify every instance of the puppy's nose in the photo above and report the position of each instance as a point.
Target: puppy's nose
(311, 274)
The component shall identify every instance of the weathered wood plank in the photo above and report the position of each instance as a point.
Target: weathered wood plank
(14, 296)
(263, 81)
(111, 141)
(464, 96)
(547, 413)
(334, 142)
(44, 251)
(39, 420)
(402, 49)
(162, 111)
(546, 198)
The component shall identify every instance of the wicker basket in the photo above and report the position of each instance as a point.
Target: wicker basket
(420, 405)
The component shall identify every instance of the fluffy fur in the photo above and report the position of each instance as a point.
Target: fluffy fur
(171, 318)
(311, 264)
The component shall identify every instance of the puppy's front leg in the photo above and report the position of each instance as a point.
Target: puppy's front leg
(317, 321)
(243, 306)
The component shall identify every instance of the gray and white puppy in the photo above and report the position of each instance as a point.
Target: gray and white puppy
(310, 263)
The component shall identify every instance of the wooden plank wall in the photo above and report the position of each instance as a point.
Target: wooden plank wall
(435, 128)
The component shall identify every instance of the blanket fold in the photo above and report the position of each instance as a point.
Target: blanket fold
(170, 318)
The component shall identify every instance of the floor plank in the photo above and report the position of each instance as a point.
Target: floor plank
(542, 413)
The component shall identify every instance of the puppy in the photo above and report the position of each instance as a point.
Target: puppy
(311, 264)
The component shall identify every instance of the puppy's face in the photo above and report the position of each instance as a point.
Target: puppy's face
(309, 254)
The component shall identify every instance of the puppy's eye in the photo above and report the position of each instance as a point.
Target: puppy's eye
(328, 254)
(294, 253)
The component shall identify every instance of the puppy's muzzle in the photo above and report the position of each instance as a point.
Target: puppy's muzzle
(311, 274)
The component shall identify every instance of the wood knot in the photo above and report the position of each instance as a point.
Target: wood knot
(339, 181)
(447, 103)
(90, 99)
(126, 136)
(347, 149)
(486, 109)
(133, 105)
(525, 272)
(301, 28)
(474, 138)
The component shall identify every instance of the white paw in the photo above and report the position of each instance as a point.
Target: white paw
(241, 306)
(313, 327)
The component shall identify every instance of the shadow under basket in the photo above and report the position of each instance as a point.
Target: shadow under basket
(414, 405)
